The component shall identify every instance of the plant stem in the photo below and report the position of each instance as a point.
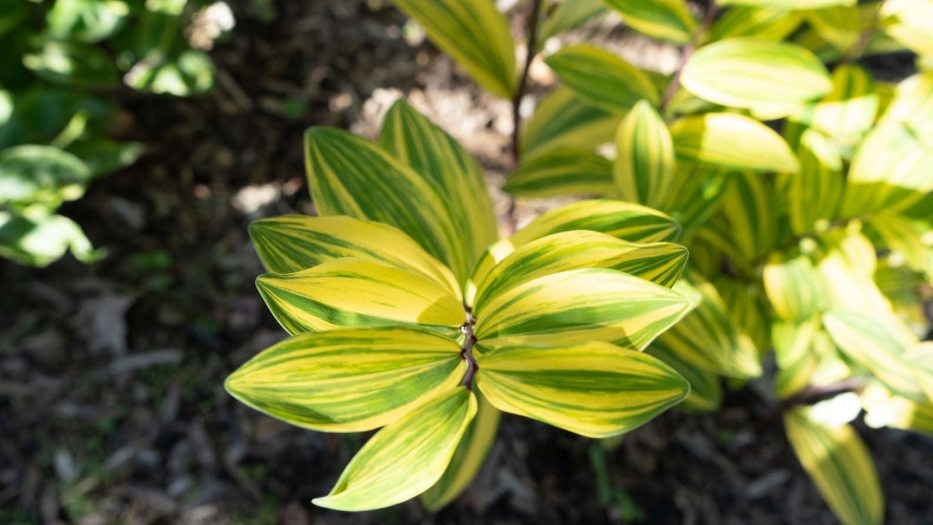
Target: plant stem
(687, 52)
(530, 51)
(466, 352)
(814, 394)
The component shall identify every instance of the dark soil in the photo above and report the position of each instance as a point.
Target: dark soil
(112, 408)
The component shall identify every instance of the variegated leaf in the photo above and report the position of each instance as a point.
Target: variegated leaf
(561, 170)
(593, 389)
(705, 392)
(814, 193)
(406, 457)
(427, 149)
(644, 167)
(661, 263)
(593, 304)
(468, 459)
(665, 19)
(562, 119)
(733, 142)
(603, 78)
(348, 380)
(760, 23)
(474, 34)
(346, 293)
(794, 287)
(290, 243)
(840, 466)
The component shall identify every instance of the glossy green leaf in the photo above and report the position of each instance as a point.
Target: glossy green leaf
(731, 141)
(603, 78)
(699, 190)
(872, 343)
(40, 241)
(746, 73)
(349, 293)
(561, 119)
(429, 151)
(661, 263)
(44, 176)
(561, 170)
(475, 34)
(86, 20)
(760, 23)
(840, 466)
(665, 19)
(468, 459)
(406, 457)
(348, 380)
(644, 165)
(707, 338)
(289, 243)
(593, 389)
(592, 304)
(72, 63)
(351, 176)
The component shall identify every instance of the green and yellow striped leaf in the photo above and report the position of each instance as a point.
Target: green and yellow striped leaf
(561, 119)
(794, 287)
(745, 302)
(787, 4)
(623, 220)
(290, 243)
(884, 409)
(750, 217)
(815, 192)
(348, 380)
(568, 15)
(848, 267)
(891, 171)
(795, 357)
(910, 22)
(406, 457)
(906, 238)
(474, 34)
(840, 25)
(699, 191)
(705, 391)
(912, 104)
(707, 338)
(849, 110)
(872, 343)
(593, 304)
(840, 466)
(349, 293)
(661, 262)
(760, 23)
(352, 176)
(561, 170)
(644, 167)
(468, 459)
(664, 19)
(603, 78)
(749, 73)
(427, 149)
(733, 142)
(593, 389)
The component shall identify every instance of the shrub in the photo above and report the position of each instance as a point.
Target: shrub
(803, 195)
(56, 58)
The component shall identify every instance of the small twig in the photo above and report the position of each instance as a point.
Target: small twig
(864, 38)
(687, 52)
(530, 52)
(814, 394)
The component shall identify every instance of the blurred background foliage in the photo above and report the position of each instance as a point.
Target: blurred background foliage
(61, 62)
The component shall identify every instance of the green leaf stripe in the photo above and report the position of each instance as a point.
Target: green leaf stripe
(561, 119)
(644, 165)
(664, 19)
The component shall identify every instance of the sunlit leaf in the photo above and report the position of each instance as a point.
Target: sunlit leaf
(733, 142)
(665, 19)
(644, 167)
(561, 170)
